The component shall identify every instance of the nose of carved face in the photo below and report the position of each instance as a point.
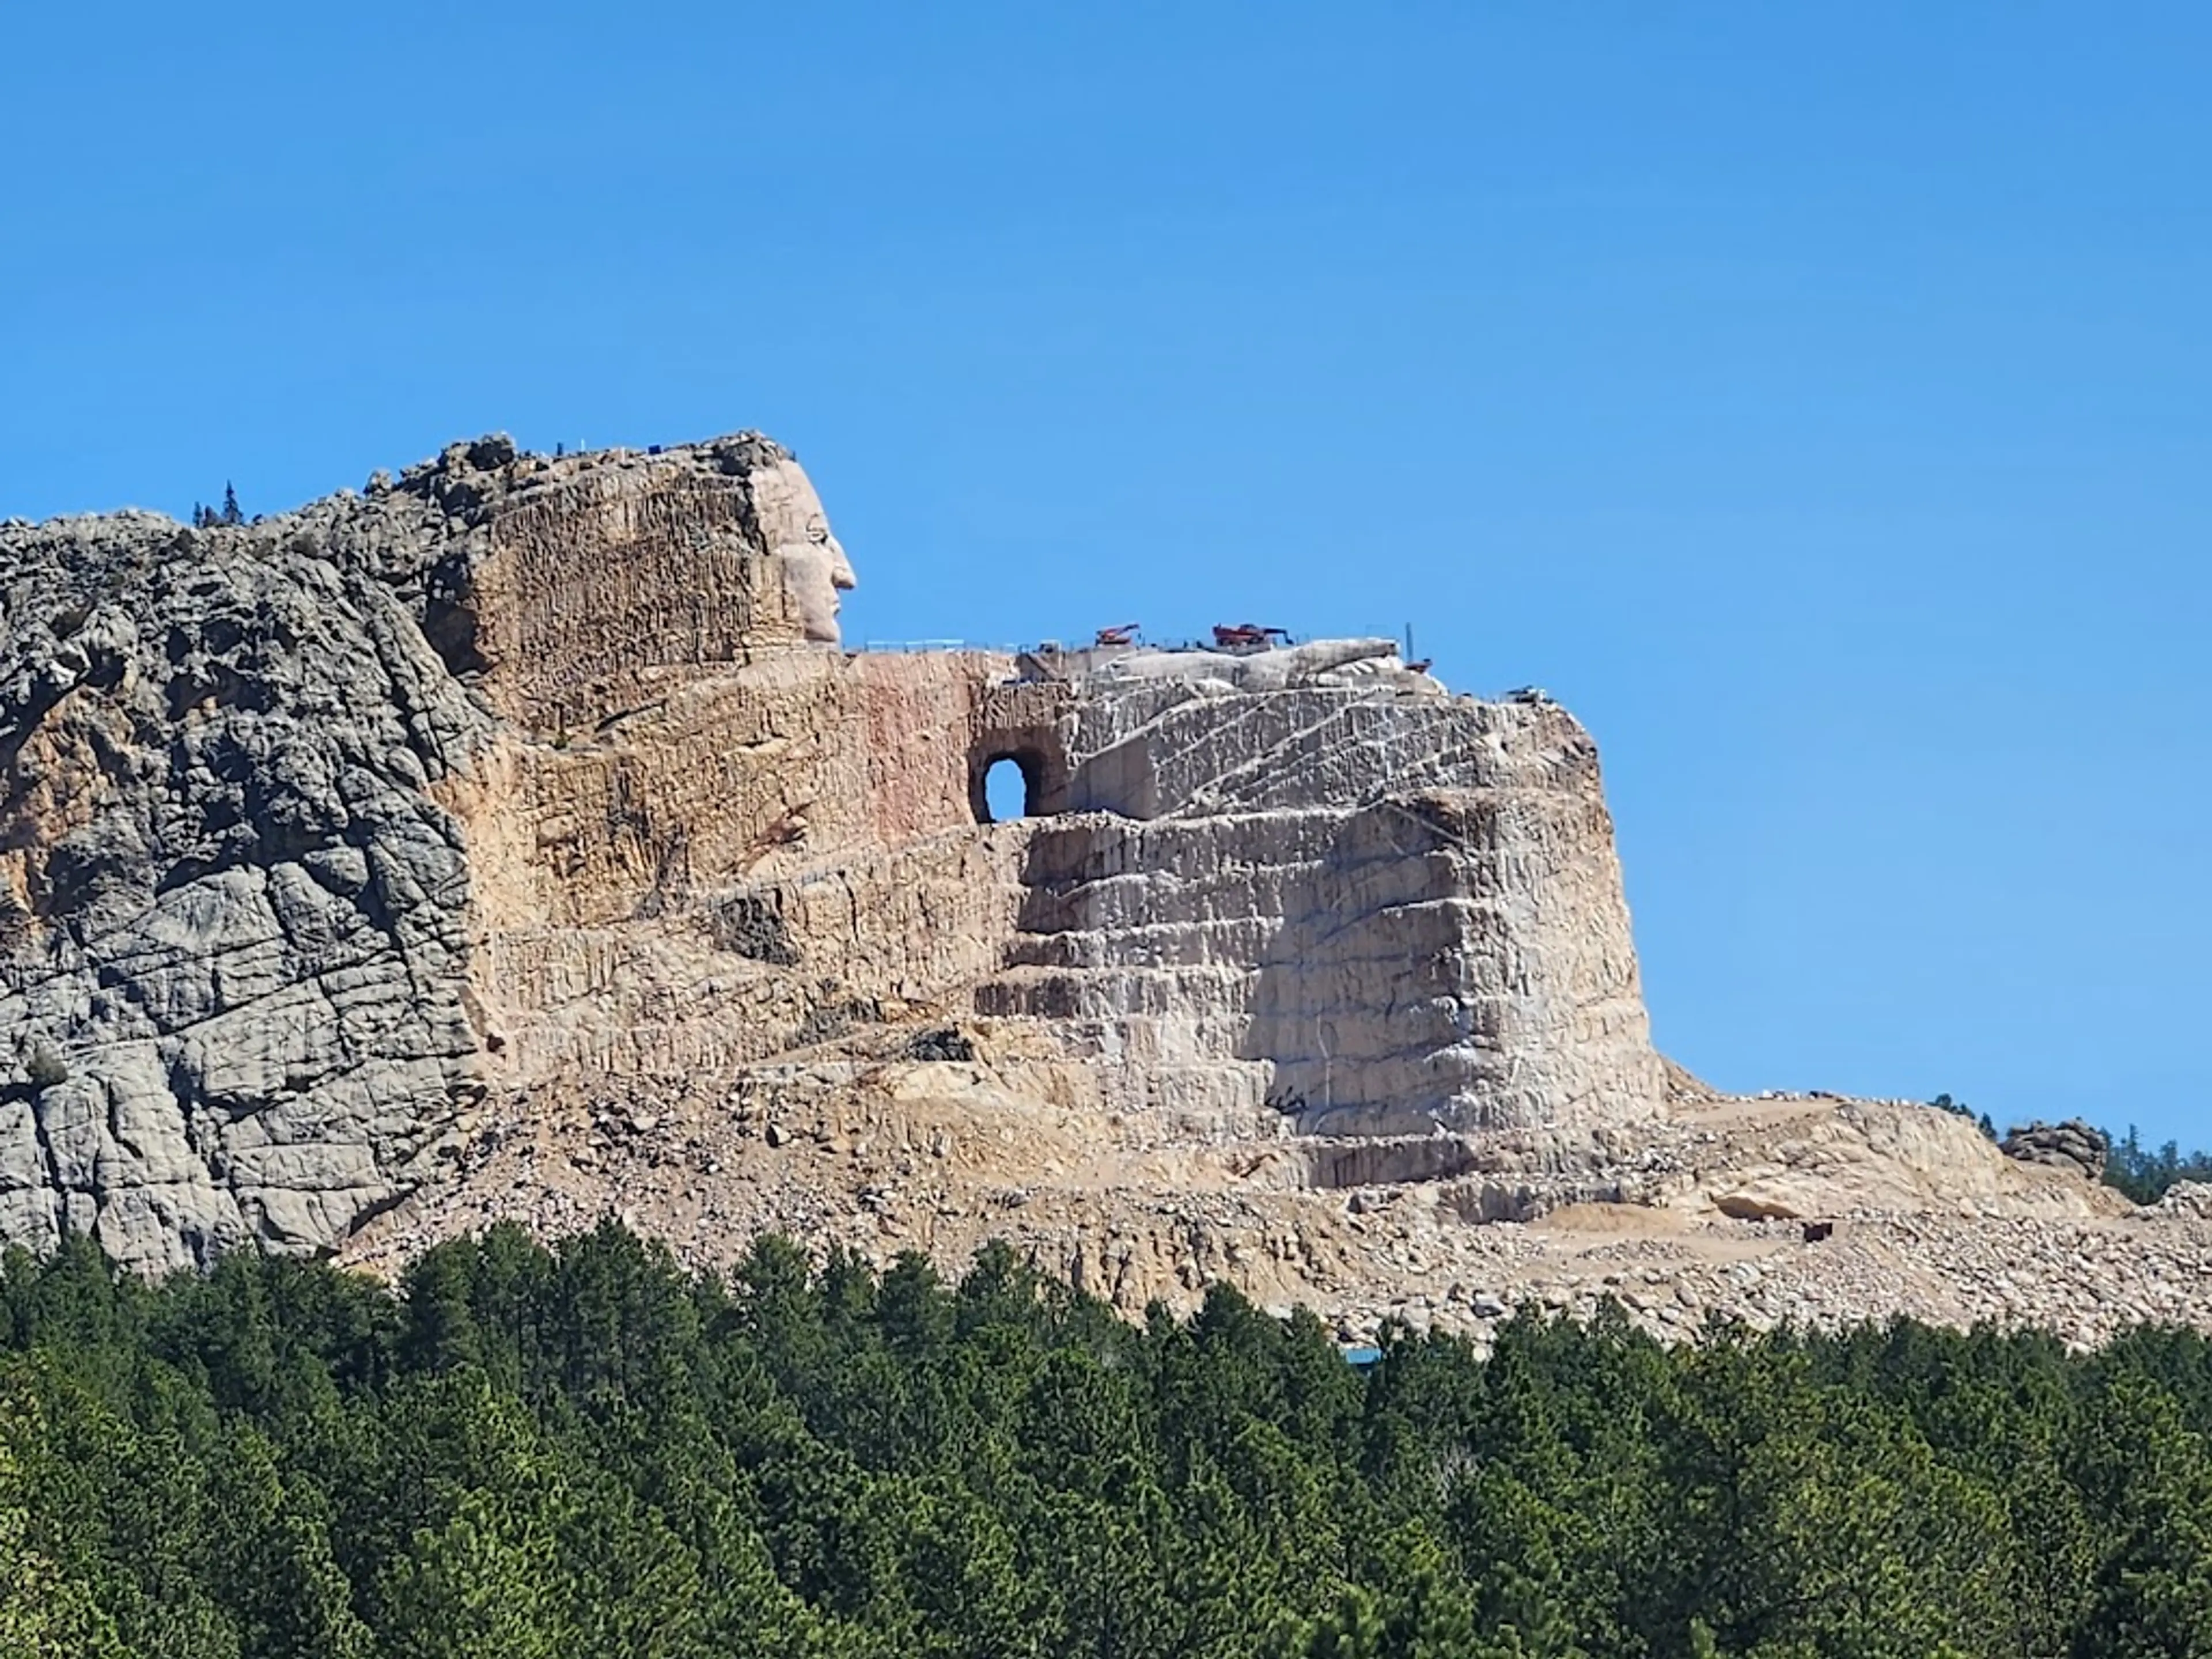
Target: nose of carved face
(839, 569)
(833, 551)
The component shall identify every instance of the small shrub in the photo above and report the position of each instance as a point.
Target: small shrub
(45, 1063)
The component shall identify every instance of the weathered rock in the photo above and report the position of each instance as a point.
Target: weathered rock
(2189, 1200)
(948, 1043)
(2073, 1144)
(509, 841)
(234, 918)
(227, 903)
(1755, 1204)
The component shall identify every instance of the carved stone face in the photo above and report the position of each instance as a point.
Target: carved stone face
(813, 566)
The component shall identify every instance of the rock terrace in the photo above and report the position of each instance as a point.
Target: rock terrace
(514, 838)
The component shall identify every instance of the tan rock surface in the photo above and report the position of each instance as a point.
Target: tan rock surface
(514, 840)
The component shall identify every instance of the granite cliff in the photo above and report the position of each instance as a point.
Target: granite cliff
(514, 836)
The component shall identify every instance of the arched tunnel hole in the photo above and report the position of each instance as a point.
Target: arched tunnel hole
(1020, 773)
(1013, 786)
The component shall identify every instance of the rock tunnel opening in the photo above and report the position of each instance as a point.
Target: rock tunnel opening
(1009, 791)
(1013, 786)
(1021, 773)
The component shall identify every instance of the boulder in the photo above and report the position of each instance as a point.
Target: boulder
(2073, 1144)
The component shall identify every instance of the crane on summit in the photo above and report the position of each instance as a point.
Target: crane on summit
(1247, 636)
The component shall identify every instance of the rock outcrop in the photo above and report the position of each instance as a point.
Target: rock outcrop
(515, 770)
(233, 918)
(514, 838)
(2072, 1145)
(236, 917)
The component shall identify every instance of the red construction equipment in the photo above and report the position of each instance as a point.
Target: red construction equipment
(1121, 634)
(1247, 637)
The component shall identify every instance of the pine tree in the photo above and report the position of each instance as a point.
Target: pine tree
(1352, 1629)
(231, 514)
(45, 1613)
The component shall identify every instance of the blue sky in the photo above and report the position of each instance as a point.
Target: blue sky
(1817, 399)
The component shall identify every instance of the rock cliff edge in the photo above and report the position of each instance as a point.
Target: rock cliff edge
(516, 837)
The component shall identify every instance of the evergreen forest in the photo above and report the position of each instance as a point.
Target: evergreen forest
(2145, 1173)
(521, 1452)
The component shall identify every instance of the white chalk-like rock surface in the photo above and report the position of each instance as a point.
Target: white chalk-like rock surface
(1408, 904)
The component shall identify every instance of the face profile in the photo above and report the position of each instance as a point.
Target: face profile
(814, 568)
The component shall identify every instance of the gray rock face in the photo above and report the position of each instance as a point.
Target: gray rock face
(230, 919)
(235, 919)
(2074, 1143)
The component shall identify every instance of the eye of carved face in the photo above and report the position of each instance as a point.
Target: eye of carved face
(818, 530)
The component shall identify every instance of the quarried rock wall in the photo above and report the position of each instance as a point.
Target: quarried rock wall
(270, 790)
(1457, 954)
(518, 777)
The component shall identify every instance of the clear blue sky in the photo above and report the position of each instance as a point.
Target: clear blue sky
(1817, 398)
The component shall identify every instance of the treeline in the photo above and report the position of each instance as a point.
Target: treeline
(208, 517)
(2144, 1173)
(585, 1451)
